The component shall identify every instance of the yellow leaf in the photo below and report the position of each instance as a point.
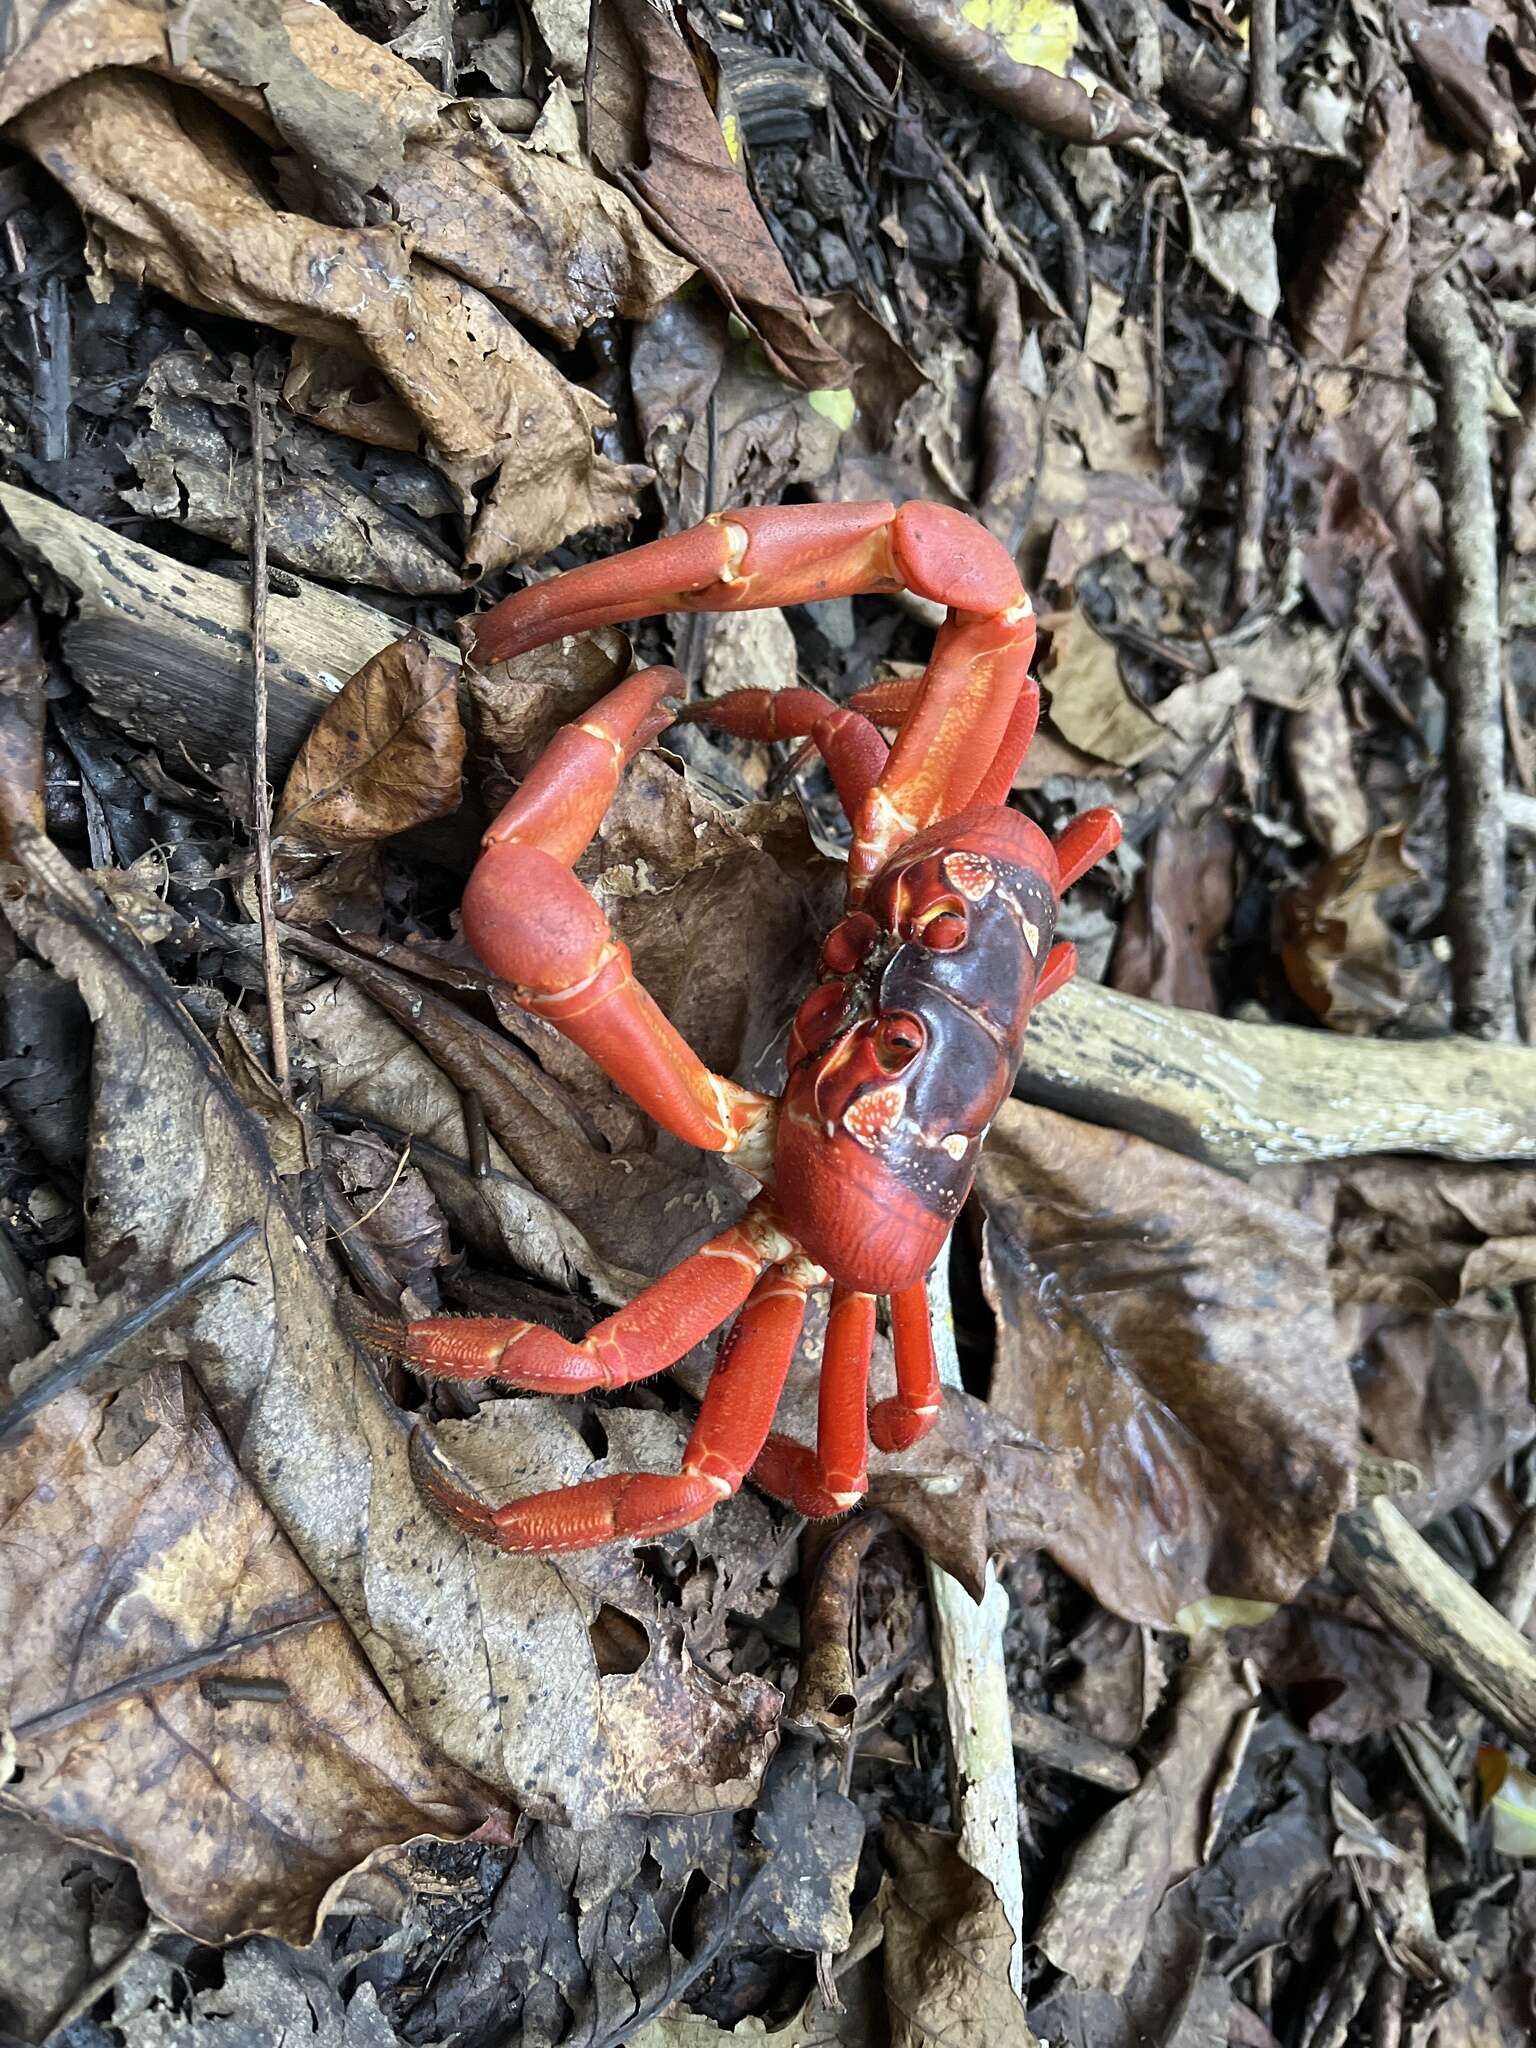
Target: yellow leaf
(1038, 32)
(836, 406)
(730, 128)
(1220, 1610)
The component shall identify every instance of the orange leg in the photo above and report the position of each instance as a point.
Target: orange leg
(965, 712)
(1060, 966)
(853, 750)
(828, 1481)
(535, 926)
(898, 1423)
(733, 1422)
(1085, 842)
(653, 1331)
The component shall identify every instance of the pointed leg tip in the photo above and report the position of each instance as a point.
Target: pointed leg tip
(373, 1331)
(441, 1482)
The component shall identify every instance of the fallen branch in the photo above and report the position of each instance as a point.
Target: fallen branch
(1247, 1095)
(1476, 915)
(163, 650)
(979, 60)
(1437, 1613)
(975, 1681)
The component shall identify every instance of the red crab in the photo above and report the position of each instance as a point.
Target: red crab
(898, 1058)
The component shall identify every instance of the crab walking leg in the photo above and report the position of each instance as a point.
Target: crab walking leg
(639, 1340)
(535, 926)
(889, 703)
(842, 1428)
(1085, 842)
(732, 1424)
(908, 1415)
(1060, 966)
(853, 750)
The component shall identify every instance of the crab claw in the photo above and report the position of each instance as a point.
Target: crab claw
(765, 555)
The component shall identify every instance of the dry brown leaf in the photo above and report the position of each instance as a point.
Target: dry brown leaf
(1170, 1334)
(653, 130)
(238, 1817)
(1090, 705)
(1355, 291)
(1425, 1233)
(398, 1216)
(1183, 901)
(1101, 1911)
(1450, 47)
(1319, 745)
(332, 509)
(171, 198)
(520, 705)
(388, 754)
(1339, 954)
(947, 1946)
(464, 1639)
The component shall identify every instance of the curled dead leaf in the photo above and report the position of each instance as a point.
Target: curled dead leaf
(388, 754)
(653, 130)
(1340, 956)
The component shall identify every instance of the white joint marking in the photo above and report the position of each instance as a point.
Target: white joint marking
(596, 732)
(1017, 613)
(737, 541)
(1031, 937)
(848, 1500)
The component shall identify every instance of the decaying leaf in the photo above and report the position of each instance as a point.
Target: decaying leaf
(1090, 704)
(1319, 746)
(1170, 1333)
(1183, 901)
(1097, 1921)
(947, 1946)
(23, 706)
(464, 1639)
(171, 196)
(332, 509)
(653, 130)
(388, 754)
(70, 1915)
(237, 1816)
(1340, 956)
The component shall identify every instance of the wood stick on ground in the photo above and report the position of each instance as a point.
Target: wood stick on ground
(1247, 1095)
(261, 801)
(1477, 919)
(1253, 486)
(976, 1706)
(1438, 1614)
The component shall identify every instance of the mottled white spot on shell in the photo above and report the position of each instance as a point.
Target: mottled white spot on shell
(872, 1118)
(954, 1144)
(1031, 937)
(971, 873)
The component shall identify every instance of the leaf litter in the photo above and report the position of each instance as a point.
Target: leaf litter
(501, 288)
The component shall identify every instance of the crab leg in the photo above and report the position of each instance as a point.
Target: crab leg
(797, 554)
(733, 1422)
(908, 1415)
(853, 750)
(535, 926)
(643, 1338)
(842, 1428)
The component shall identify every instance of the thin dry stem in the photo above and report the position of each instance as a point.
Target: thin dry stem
(261, 808)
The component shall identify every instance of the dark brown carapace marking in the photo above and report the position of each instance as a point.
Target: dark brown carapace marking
(902, 1054)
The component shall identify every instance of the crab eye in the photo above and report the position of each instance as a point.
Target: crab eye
(944, 933)
(847, 943)
(898, 1039)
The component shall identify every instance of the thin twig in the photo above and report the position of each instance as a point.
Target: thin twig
(1482, 984)
(1057, 201)
(261, 810)
(1253, 489)
(79, 1366)
(170, 1673)
(976, 1704)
